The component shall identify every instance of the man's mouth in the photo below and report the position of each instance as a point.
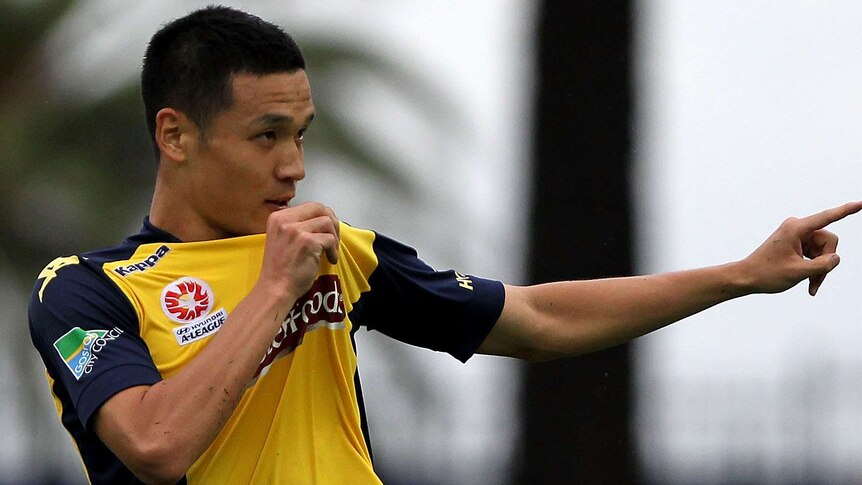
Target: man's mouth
(278, 203)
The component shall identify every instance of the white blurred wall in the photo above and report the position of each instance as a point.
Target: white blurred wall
(749, 112)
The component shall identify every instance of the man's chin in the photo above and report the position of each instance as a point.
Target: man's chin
(248, 229)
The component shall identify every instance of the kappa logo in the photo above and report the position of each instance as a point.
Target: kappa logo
(79, 348)
(50, 271)
(144, 265)
(187, 299)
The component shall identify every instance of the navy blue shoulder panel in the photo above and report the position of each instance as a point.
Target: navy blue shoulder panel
(87, 334)
(440, 310)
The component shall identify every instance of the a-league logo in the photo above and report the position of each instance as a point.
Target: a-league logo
(187, 299)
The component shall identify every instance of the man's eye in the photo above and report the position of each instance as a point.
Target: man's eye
(267, 135)
(300, 134)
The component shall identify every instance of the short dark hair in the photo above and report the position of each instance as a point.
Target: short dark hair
(189, 62)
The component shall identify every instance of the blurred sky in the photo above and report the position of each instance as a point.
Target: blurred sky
(749, 112)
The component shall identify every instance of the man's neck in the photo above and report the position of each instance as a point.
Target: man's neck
(172, 215)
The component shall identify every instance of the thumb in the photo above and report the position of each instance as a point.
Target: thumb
(818, 267)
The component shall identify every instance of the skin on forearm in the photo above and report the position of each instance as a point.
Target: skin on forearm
(160, 430)
(576, 317)
(571, 318)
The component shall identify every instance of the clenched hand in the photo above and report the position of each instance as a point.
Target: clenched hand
(296, 239)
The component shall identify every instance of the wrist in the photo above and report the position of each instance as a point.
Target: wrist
(280, 295)
(739, 279)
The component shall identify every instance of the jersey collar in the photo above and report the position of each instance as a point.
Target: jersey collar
(152, 234)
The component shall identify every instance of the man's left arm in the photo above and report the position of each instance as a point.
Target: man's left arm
(575, 317)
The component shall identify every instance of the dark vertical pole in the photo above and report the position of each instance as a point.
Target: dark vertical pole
(576, 411)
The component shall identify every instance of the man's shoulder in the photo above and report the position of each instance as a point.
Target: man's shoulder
(352, 235)
(79, 274)
(360, 244)
(149, 244)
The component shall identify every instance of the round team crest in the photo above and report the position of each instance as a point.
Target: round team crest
(187, 299)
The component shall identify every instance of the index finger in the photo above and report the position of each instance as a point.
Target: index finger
(302, 212)
(824, 218)
(335, 221)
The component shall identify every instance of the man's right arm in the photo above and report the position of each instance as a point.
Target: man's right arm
(159, 431)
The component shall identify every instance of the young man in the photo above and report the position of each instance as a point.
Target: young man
(216, 346)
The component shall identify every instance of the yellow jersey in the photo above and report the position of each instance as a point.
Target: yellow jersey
(138, 312)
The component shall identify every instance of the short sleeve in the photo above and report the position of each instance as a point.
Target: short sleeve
(86, 332)
(411, 302)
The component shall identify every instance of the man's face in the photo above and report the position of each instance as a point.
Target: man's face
(248, 165)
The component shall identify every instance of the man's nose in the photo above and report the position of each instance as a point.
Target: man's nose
(291, 165)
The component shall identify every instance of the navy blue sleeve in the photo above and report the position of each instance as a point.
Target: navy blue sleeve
(87, 334)
(440, 310)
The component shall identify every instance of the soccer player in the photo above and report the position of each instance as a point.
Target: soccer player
(216, 345)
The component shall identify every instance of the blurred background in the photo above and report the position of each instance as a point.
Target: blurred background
(517, 140)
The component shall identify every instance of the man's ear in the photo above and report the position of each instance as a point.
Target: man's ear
(173, 132)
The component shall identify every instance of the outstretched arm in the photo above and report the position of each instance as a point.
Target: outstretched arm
(574, 317)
